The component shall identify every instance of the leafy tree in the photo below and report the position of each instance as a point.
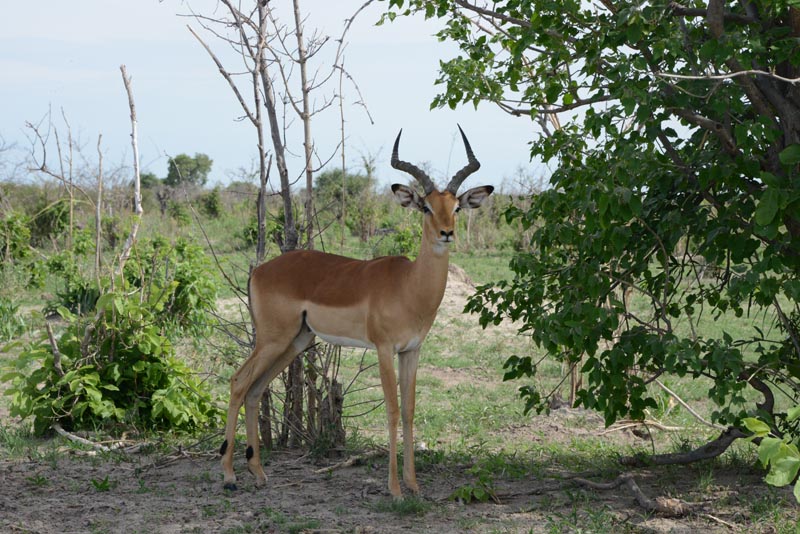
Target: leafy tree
(211, 203)
(674, 132)
(360, 206)
(184, 169)
(329, 185)
(148, 180)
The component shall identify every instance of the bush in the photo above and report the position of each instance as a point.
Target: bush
(51, 220)
(117, 368)
(15, 237)
(183, 274)
(11, 324)
(76, 293)
(398, 242)
(249, 234)
(179, 212)
(211, 203)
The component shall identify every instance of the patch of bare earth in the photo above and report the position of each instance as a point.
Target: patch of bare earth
(182, 492)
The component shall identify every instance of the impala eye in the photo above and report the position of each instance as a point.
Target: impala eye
(426, 209)
(458, 208)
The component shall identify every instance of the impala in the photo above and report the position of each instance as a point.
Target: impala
(387, 304)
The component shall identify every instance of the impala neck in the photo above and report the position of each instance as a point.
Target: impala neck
(429, 275)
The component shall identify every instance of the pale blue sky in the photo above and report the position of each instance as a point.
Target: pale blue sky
(66, 55)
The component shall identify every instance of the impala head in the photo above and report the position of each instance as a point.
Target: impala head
(439, 207)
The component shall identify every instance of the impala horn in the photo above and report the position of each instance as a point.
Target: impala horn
(413, 170)
(472, 166)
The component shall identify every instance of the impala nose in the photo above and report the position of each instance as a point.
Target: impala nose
(448, 236)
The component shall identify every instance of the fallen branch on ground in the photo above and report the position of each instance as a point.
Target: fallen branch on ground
(706, 452)
(630, 423)
(98, 447)
(660, 505)
(353, 460)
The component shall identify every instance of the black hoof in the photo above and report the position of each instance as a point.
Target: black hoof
(230, 486)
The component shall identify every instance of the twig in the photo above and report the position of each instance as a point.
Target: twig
(137, 193)
(718, 520)
(660, 505)
(353, 460)
(687, 407)
(77, 439)
(56, 352)
(628, 423)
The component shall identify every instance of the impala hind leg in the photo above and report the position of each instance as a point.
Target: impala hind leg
(408, 382)
(253, 400)
(389, 383)
(253, 368)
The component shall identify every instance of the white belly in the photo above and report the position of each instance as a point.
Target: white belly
(341, 340)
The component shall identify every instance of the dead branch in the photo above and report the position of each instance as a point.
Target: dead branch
(706, 452)
(687, 407)
(98, 212)
(56, 352)
(137, 194)
(96, 446)
(631, 423)
(660, 505)
(353, 460)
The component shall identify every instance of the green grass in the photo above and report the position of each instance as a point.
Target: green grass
(484, 267)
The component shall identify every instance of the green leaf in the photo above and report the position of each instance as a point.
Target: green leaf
(757, 427)
(103, 301)
(783, 471)
(793, 414)
(791, 154)
(769, 449)
(767, 206)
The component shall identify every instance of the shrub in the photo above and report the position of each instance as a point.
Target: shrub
(51, 220)
(15, 237)
(11, 324)
(183, 274)
(76, 293)
(211, 203)
(115, 368)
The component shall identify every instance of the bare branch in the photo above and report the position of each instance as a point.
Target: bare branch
(137, 194)
(226, 75)
(730, 75)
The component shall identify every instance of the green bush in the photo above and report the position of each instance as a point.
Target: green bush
(398, 242)
(249, 234)
(179, 212)
(183, 274)
(50, 221)
(76, 292)
(117, 368)
(211, 203)
(15, 237)
(11, 324)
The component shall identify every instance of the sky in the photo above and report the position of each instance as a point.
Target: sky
(65, 57)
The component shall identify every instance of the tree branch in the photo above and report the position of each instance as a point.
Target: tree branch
(137, 194)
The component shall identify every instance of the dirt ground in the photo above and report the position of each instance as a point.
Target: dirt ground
(181, 492)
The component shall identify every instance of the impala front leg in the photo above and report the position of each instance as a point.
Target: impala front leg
(408, 381)
(389, 383)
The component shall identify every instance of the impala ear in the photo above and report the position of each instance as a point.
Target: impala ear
(475, 196)
(407, 197)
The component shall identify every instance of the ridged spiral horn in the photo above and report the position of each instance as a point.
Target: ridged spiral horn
(413, 170)
(471, 166)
